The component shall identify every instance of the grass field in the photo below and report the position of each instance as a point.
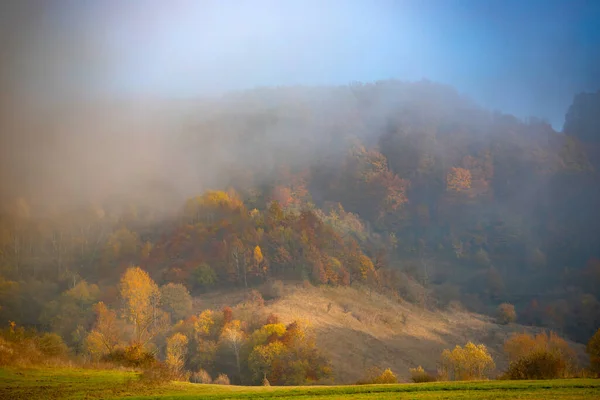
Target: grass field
(32, 384)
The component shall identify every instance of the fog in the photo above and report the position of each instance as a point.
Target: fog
(97, 96)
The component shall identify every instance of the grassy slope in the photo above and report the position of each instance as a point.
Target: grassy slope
(90, 384)
(361, 330)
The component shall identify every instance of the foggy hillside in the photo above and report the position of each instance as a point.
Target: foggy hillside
(153, 156)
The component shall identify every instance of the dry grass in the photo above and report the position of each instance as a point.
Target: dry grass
(358, 330)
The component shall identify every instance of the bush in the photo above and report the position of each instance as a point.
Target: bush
(506, 313)
(538, 365)
(201, 377)
(52, 345)
(377, 376)
(134, 356)
(386, 376)
(419, 375)
(222, 379)
(157, 374)
(524, 346)
(468, 363)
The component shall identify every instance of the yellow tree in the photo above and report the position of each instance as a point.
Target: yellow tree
(259, 264)
(204, 323)
(106, 334)
(468, 363)
(141, 297)
(234, 337)
(176, 352)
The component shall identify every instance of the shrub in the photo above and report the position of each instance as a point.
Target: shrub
(506, 313)
(222, 379)
(386, 376)
(377, 376)
(419, 375)
(468, 363)
(521, 346)
(134, 356)
(538, 365)
(156, 374)
(52, 345)
(201, 377)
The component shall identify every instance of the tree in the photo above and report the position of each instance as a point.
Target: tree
(377, 376)
(506, 313)
(234, 337)
(204, 323)
(468, 363)
(204, 276)
(593, 350)
(539, 364)
(176, 352)
(529, 352)
(141, 297)
(259, 266)
(106, 333)
(262, 358)
(458, 180)
(238, 258)
(176, 300)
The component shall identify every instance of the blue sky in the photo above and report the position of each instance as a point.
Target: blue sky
(523, 57)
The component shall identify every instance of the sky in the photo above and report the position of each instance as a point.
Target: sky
(528, 58)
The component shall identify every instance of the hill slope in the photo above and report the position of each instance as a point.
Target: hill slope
(358, 330)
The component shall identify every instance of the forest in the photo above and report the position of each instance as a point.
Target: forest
(409, 189)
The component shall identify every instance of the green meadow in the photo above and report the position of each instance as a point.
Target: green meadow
(66, 383)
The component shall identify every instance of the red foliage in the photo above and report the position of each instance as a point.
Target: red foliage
(227, 314)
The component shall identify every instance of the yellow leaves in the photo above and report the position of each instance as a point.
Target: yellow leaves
(522, 344)
(258, 256)
(199, 207)
(140, 294)
(94, 344)
(458, 180)
(262, 358)
(204, 323)
(471, 362)
(84, 292)
(366, 266)
(176, 351)
(261, 335)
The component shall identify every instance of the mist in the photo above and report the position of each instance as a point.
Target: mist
(98, 97)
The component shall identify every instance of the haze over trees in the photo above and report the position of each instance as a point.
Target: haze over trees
(379, 185)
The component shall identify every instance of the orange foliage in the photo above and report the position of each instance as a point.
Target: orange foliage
(458, 179)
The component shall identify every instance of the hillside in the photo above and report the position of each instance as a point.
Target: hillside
(358, 330)
(406, 189)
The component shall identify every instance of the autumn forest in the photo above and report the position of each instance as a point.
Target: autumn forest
(406, 189)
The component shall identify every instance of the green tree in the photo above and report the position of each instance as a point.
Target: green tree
(176, 300)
